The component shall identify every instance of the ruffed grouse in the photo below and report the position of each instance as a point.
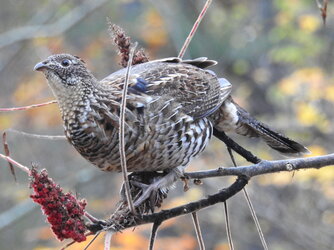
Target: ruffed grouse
(172, 107)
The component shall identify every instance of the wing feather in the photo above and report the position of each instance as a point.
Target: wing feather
(198, 91)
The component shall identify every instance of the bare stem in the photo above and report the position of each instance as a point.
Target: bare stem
(228, 227)
(19, 165)
(107, 240)
(194, 28)
(27, 107)
(256, 220)
(251, 207)
(48, 137)
(121, 133)
(91, 241)
(198, 231)
(7, 153)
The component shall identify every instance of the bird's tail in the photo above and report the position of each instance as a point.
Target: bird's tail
(234, 118)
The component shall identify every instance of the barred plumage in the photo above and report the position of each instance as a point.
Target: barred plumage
(172, 106)
(168, 105)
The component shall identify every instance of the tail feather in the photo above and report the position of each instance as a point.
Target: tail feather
(246, 125)
(278, 141)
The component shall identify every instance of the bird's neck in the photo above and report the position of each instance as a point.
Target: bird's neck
(74, 101)
(81, 107)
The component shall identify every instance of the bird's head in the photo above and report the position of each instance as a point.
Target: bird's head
(65, 73)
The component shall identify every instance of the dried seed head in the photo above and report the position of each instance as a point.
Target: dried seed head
(63, 210)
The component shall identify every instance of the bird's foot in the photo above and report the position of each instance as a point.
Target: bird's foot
(159, 185)
(150, 193)
(149, 189)
(140, 183)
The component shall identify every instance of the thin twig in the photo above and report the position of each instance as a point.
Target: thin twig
(194, 28)
(7, 153)
(251, 207)
(91, 241)
(198, 231)
(48, 137)
(68, 245)
(228, 227)
(154, 231)
(122, 132)
(27, 107)
(73, 241)
(19, 165)
(227, 220)
(107, 240)
(256, 220)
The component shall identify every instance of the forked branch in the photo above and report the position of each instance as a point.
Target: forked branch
(244, 173)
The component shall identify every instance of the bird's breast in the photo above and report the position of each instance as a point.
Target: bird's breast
(157, 137)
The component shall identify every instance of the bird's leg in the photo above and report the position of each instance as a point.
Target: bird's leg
(150, 191)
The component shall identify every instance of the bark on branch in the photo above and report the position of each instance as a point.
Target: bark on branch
(266, 167)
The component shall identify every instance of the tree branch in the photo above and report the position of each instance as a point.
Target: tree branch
(163, 215)
(266, 167)
(244, 173)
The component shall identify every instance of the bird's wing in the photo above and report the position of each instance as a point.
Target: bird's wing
(198, 91)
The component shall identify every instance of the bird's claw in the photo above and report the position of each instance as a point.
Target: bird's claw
(149, 192)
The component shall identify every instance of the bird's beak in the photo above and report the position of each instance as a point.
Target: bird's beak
(41, 66)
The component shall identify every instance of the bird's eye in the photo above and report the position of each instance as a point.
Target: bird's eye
(65, 63)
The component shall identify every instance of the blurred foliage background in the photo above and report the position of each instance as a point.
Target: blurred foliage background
(279, 57)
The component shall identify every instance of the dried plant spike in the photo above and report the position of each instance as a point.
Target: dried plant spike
(140, 57)
(123, 44)
(63, 210)
(121, 41)
(6, 150)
